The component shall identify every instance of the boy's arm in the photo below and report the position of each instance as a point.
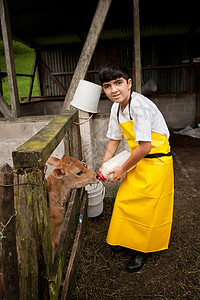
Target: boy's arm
(120, 172)
(142, 149)
(110, 150)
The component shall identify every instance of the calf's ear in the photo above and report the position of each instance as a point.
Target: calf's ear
(58, 173)
(53, 161)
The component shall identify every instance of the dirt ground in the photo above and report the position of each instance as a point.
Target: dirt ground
(170, 274)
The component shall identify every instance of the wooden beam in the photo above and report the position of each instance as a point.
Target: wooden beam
(69, 282)
(9, 257)
(72, 72)
(35, 152)
(9, 55)
(136, 30)
(38, 73)
(32, 76)
(80, 72)
(48, 71)
(44, 98)
(87, 142)
(88, 49)
(59, 261)
(5, 108)
(1, 87)
(192, 65)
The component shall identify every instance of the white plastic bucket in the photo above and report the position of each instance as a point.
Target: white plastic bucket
(87, 96)
(95, 211)
(96, 193)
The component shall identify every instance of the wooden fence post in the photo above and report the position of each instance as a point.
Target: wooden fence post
(61, 255)
(136, 29)
(69, 281)
(8, 230)
(33, 233)
(75, 142)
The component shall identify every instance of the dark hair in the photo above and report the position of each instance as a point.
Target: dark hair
(113, 71)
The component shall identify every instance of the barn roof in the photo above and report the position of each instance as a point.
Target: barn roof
(45, 23)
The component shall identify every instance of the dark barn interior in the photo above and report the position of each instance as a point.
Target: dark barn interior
(57, 31)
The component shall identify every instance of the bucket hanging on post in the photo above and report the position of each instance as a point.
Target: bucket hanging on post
(87, 96)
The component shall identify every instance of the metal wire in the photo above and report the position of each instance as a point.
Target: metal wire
(16, 184)
(4, 226)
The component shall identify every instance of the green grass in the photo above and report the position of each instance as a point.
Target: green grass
(24, 57)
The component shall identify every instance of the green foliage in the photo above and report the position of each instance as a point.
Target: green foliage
(24, 57)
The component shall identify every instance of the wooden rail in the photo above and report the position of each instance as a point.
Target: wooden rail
(36, 151)
(73, 262)
(77, 202)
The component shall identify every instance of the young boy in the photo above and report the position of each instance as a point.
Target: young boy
(142, 214)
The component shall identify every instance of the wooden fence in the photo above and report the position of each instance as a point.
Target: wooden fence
(29, 272)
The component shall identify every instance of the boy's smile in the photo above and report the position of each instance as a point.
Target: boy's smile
(118, 90)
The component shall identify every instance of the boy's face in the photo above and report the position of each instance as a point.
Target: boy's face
(118, 90)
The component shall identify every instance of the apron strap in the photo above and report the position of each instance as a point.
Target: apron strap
(129, 109)
(156, 155)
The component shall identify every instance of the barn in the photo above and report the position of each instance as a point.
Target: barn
(158, 42)
(159, 45)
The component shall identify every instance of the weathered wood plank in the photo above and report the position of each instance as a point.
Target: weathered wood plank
(9, 248)
(86, 134)
(73, 263)
(43, 98)
(5, 108)
(88, 49)
(61, 253)
(136, 29)
(75, 142)
(55, 80)
(33, 76)
(35, 152)
(9, 55)
(33, 234)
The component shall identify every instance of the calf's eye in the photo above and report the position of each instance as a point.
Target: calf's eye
(79, 173)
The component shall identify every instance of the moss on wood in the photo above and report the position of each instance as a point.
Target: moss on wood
(33, 233)
(36, 151)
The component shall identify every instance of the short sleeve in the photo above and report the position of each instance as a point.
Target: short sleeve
(142, 123)
(114, 132)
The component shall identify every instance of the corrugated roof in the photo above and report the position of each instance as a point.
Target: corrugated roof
(165, 30)
(44, 23)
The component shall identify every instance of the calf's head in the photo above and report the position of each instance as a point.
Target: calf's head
(71, 172)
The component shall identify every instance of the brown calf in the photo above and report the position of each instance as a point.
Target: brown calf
(69, 173)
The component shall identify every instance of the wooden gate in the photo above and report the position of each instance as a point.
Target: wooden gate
(38, 277)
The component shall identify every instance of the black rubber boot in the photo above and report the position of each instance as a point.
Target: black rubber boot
(137, 261)
(117, 248)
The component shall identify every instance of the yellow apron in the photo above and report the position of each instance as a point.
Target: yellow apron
(143, 209)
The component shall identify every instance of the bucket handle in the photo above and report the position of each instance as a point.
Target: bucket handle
(103, 193)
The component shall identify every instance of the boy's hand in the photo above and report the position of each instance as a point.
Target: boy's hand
(118, 174)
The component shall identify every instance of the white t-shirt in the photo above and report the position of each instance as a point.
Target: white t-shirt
(146, 118)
